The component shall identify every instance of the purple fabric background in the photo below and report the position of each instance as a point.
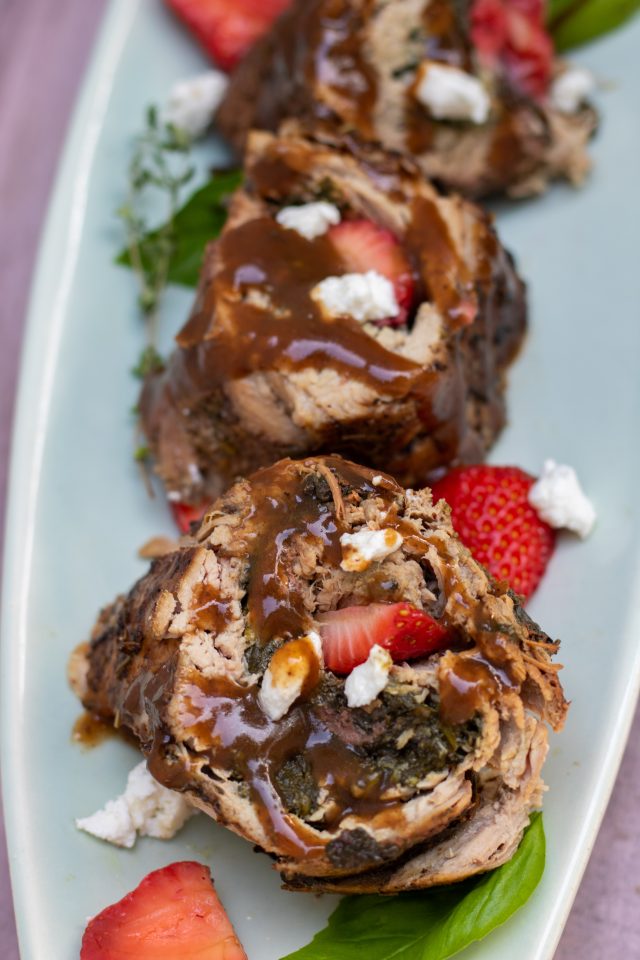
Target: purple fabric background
(44, 48)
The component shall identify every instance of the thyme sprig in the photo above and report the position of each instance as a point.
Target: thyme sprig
(160, 164)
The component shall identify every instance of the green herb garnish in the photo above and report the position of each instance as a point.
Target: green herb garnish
(141, 454)
(435, 924)
(160, 164)
(149, 362)
(573, 22)
(189, 229)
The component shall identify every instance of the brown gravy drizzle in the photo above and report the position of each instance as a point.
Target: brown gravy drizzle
(224, 722)
(227, 719)
(255, 313)
(336, 61)
(89, 730)
(263, 259)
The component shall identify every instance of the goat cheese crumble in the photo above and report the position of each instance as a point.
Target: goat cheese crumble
(285, 677)
(310, 220)
(366, 681)
(451, 94)
(571, 88)
(560, 501)
(146, 808)
(193, 101)
(360, 549)
(363, 296)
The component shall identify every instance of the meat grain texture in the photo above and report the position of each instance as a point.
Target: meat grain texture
(351, 67)
(260, 372)
(431, 782)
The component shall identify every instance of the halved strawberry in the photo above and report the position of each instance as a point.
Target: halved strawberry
(528, 57)
(406, 632)
(512, 33)
(228, 28)
(363, 245)
(491, 514)
(184, 514)
(174, 912)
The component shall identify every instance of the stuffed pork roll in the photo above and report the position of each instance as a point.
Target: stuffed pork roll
(346, 307)
(323, 668)
(471, 90)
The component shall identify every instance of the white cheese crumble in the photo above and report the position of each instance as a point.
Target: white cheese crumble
(286, 675)
(377, 480)
(310, 220)
(363, 296)
(360, 549)
(145, 808)
(451, 94)
(193, 101)
(559, 499)
(365, 682)
(571, 88)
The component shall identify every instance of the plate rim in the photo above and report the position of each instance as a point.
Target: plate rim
(49, 292)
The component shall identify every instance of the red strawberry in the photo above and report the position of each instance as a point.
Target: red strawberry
(528, 57)
(184, 514)
(512, 33)
(489, 29)
(406, 632)
(494, 519)
(363, 245)
(174, 912)
(228, 28)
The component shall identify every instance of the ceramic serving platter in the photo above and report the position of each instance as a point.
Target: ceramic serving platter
(78, 510)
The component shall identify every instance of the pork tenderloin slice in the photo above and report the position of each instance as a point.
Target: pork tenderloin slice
(331, 792)
(258, 374)
(351, 68)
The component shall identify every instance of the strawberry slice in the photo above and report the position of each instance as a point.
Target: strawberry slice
(228, 28)
(406, 632)
(363, 245)
(184, 514)
(491, 514)
(511, 34)
(175, 912)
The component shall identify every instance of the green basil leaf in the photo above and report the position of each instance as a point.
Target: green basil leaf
(433, 924)
(572, 22)
(200, 220)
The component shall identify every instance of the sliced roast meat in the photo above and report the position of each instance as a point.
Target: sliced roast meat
(215, 661)
(264, 369)
(406, 74)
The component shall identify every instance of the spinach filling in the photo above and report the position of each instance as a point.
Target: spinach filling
(395, 744)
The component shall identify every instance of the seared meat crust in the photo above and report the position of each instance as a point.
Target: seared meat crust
(432, 781)
(259, 374)
(349, 67)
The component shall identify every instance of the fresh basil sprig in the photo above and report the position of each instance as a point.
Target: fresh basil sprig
(433, 924)
(192, 226)
(573, 22)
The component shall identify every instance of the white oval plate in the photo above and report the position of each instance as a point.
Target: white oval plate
(78, 510)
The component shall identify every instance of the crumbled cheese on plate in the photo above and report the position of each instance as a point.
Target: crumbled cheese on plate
(146, 808)
(192, 102)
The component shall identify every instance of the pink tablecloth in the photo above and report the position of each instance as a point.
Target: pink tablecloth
(44, 47)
